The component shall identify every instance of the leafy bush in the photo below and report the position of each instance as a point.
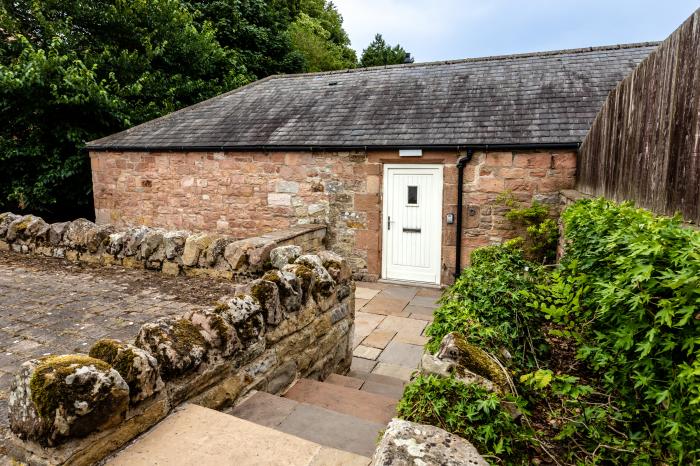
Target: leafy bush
(535, 225)
(641, 333)
(606, 346)
(466, 410)
(487, 305)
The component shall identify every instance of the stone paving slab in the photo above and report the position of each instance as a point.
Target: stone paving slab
(402, 354)
(51, 306)
(365, 293)
(379, 338)
(392, 370)
(331, 429)
(389, 332)
(363, 405)
(366, 352)
(201, 436)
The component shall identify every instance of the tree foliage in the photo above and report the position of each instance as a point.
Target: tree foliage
(317, 34)
(76, 70)
(379, 53)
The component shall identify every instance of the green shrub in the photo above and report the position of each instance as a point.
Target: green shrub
(487, 305)
(468, 411)
(640, 328)
(605, 347)
(535, 226)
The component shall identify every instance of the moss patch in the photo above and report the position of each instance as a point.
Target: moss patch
(305, 274)
(186, 336)
(272, 276)
(263, 291)
(105, 350)
(49, 387)
(478, 361)
(220, 307)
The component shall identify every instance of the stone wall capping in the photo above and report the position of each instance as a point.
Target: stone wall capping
(172, 252)
(280, 326)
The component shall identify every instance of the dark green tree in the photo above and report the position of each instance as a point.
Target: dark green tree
(317, 33)
(76, 70)
(257, 30)
(379, 53)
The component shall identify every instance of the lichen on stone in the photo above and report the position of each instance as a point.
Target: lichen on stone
(472, 358)
(48, 383)
(136, 366)
(58, 397)
(176, 343)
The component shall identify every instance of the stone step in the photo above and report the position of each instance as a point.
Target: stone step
(319, 425)
(377, 378)
(202, 436)
(364, 405)
(345, 381)
(380, 384)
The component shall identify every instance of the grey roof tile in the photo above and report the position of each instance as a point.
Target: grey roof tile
(540, 98)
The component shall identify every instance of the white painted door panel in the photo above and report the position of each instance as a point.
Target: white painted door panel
(412, 222)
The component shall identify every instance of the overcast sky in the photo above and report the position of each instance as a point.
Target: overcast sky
(450, 29)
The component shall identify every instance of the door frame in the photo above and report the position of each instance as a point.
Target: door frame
(385, 203)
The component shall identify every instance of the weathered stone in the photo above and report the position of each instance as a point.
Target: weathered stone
(132, 241)
(59, 397)
(25, 227)
(137, 367)
(245, 314)
(259, 256)
(176, 343)
(322, 284)
(289, 287)
(344, 291)
(470, 358)
(305, 275)
(151, 247)
(76, 235)
(282, 378)
(174, 243)
(195, 245)
(97, 238)
(408, 443)
(293, 323)
(337, 266)
(214, 255)
(56, 232)
(6, 218)
(431, 365)
(236, 256)
(339, 312)
(283, 255)
(268, 296)
(116, 243)
(220, 336)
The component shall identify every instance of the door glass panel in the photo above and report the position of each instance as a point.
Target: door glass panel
(412, 195)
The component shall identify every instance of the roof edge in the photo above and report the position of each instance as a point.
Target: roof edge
(311, 148)
(546, 53)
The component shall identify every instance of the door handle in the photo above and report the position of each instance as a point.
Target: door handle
(388, 223)
(411, 230)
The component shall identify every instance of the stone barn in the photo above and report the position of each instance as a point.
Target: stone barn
(403, 163)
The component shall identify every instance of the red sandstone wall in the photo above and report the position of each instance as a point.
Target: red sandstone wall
(247, 193)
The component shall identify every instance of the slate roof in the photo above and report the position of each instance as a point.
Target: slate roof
(546, 98)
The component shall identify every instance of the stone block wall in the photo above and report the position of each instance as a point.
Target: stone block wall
(239, 193)
(170, 252)
(291, 318)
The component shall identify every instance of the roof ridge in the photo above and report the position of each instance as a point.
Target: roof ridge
(546, 53)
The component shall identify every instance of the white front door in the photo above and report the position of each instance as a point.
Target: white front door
(412, 235)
